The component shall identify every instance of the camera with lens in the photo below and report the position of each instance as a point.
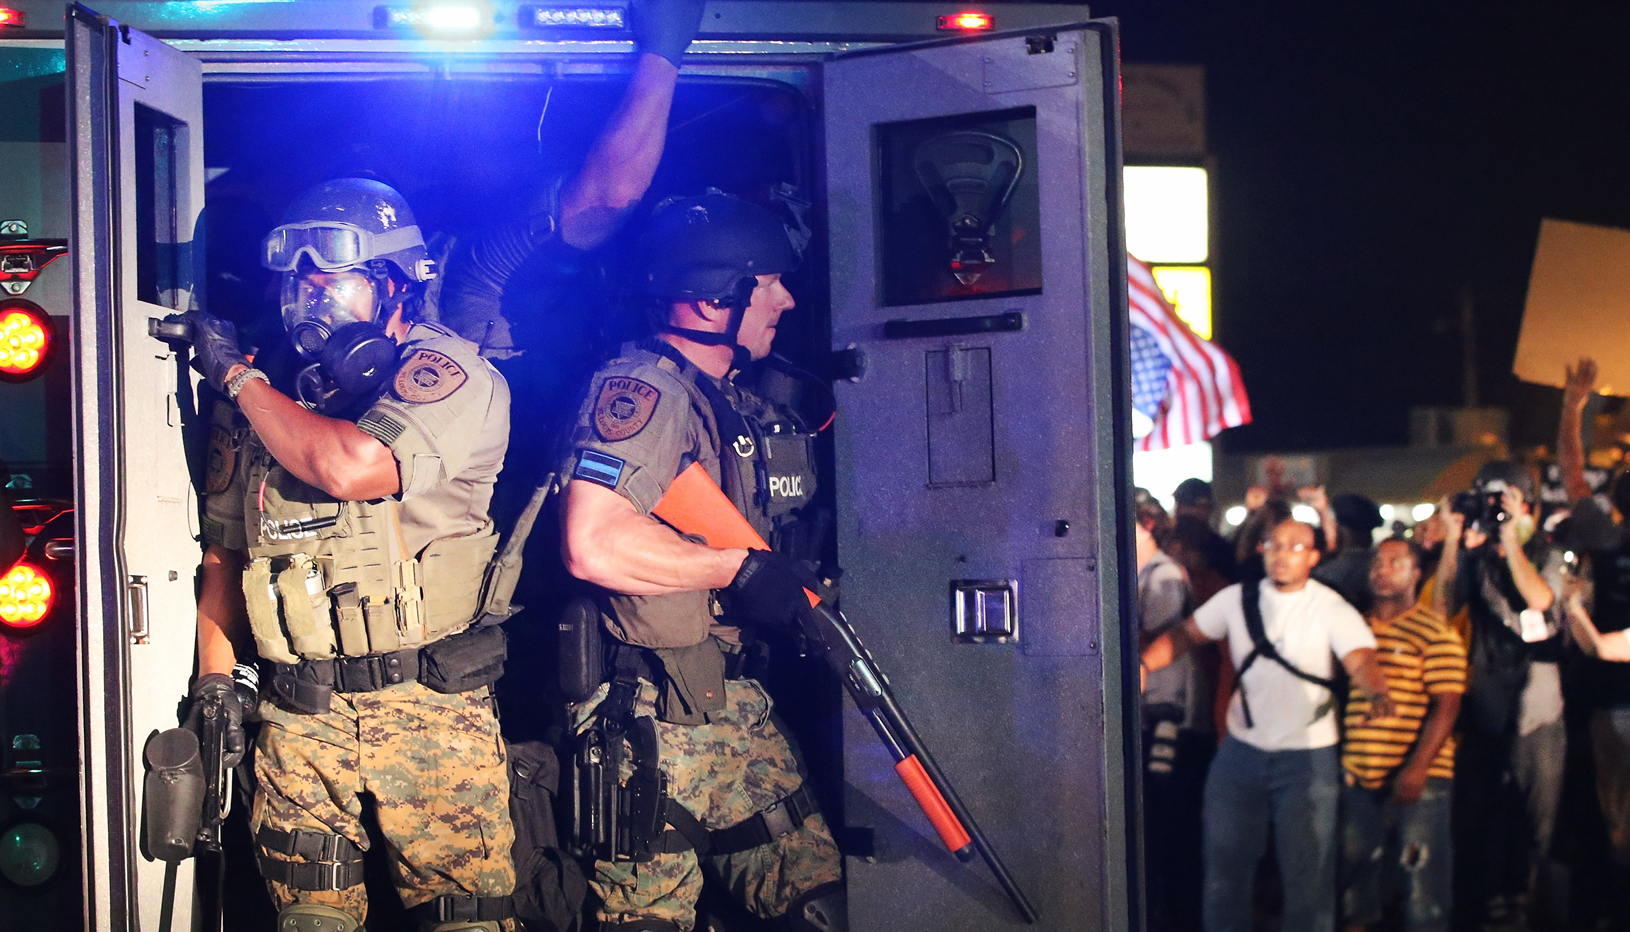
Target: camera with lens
(1483, 505)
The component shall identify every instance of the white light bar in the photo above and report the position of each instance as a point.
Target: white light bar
(432, 17)
(573, 17)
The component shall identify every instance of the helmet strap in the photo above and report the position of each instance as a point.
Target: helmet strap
(736, 305)
(385, 303)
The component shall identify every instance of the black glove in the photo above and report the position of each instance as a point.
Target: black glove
(769, 589)
(212, 686)
(665, 27)
(214, 346)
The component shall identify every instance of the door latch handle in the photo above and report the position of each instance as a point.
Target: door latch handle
(136, 598)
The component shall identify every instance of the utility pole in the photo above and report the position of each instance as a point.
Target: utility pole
(1468, 350)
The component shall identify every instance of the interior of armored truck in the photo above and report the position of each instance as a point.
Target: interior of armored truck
(470, 153)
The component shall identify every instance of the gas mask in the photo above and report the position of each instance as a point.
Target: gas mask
(335, 322)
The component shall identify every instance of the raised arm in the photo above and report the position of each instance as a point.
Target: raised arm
(1315, 497)
(324, 452)
(1535, 590)
(327, 453)
(1570, 444)
(624, 158)
(1445, 600)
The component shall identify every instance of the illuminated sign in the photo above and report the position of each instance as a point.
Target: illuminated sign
(1188, 288)
(1167, 213)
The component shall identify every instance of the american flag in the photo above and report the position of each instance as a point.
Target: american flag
(1189, 387)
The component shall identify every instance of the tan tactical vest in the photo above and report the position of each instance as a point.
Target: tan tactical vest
(329, 579)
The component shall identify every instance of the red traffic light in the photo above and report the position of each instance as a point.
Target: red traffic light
(25, 596)
(970, 21)
(10, 17)
(26, 335)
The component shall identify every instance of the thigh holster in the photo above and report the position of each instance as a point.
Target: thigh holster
(777, 821)
(327, 862)
(636, 820)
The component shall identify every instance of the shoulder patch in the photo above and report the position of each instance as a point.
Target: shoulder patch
(428, 376)
(223, 460)
(381, 426)
(599, 468)
(624, 407)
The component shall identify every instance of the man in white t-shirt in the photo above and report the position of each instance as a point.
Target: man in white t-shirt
(1279, 764)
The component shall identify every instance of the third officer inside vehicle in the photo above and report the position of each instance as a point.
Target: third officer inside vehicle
(678, 611)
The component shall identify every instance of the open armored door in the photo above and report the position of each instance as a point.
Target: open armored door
(983, 464)
(135, 110)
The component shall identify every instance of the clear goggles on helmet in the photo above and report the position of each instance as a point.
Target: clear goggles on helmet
(332, 245)
(331, 299)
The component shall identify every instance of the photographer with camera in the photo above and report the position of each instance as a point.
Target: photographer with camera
(1509, 579)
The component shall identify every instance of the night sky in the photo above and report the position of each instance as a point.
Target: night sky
(1370, 163)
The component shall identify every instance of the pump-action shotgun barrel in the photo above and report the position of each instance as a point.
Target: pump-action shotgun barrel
(694, 504)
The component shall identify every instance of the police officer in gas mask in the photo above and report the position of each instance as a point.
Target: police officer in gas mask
(351, 256)
(348, 543)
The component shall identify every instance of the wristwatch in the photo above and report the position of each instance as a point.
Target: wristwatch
(236, 384)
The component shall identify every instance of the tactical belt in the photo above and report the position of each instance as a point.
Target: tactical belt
(465, 909)
(779, 820)
(355, 674)
(332, 862)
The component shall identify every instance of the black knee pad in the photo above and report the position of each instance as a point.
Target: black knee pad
(823, 909)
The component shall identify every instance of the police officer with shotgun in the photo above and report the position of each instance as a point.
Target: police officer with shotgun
(350, 548)
(681, 766)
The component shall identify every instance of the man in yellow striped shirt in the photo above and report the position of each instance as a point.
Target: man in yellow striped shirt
(1398, 769)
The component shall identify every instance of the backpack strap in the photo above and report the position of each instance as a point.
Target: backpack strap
(1250, 597)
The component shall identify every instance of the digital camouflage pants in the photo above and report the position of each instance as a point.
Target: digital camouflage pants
(724, 772)
(435, 767)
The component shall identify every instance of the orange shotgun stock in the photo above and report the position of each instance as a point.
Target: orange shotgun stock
(694, 504)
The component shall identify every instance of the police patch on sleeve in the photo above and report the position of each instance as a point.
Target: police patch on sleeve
(428, 376)
(598, 468)
(223, 460)
(624, 408)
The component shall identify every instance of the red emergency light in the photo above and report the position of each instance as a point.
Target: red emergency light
(25, 596)
(25, 340)
(10, 17)
(970, 21)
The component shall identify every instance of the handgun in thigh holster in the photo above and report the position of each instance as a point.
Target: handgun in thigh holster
(614, 819)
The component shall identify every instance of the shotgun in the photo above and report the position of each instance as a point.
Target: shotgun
(694, 504)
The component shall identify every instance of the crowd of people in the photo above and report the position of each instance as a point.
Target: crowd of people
(1410, 720)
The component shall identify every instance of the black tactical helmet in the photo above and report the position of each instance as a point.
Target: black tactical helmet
(702, 248)
(345, 224)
